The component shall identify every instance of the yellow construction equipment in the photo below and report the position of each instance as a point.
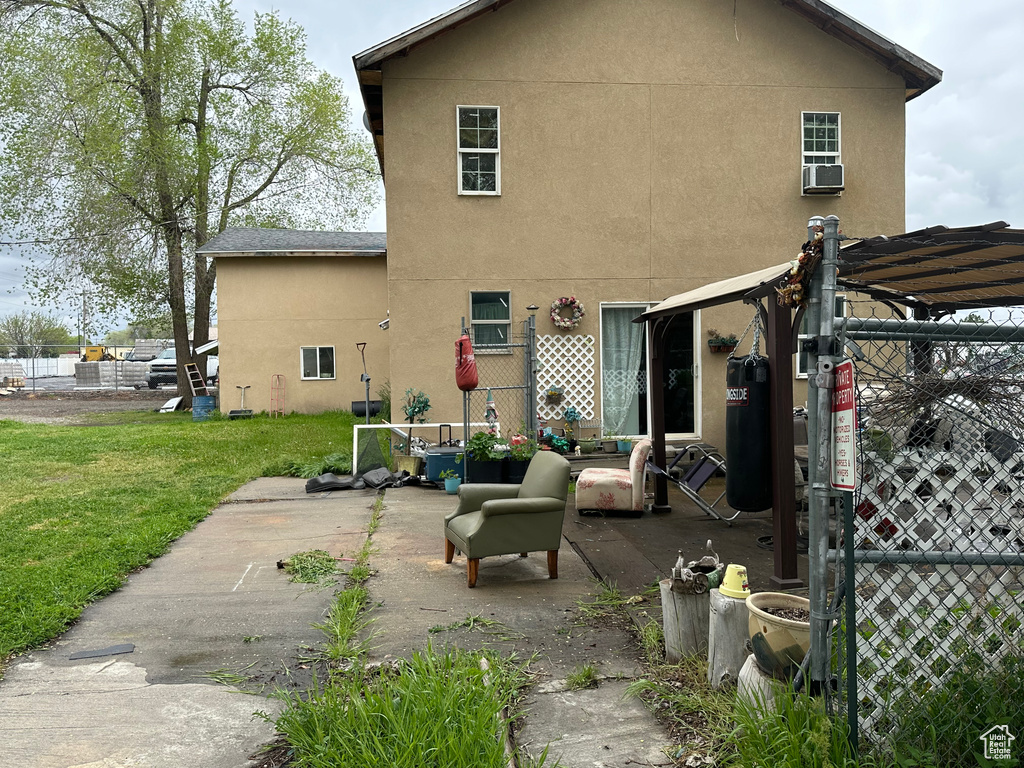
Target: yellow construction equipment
(95, 354)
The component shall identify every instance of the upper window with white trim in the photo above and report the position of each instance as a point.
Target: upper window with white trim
(821, 138)
(479, 145)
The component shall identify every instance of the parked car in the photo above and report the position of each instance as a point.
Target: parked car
(163, 369)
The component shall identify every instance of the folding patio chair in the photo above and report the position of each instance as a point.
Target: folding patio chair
(708, 461)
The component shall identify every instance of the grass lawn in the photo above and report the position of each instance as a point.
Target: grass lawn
(83, 506)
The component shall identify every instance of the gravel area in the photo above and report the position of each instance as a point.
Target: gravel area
(68, 407)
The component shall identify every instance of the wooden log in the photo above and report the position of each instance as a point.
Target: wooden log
(758, 690)
(685, 619)
(727, 635)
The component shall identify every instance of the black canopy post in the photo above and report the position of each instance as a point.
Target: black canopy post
(658, 332)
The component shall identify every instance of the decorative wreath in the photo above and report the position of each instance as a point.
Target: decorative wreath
(794, 293)
(567, 323)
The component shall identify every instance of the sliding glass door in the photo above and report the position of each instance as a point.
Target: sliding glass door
(625, 400)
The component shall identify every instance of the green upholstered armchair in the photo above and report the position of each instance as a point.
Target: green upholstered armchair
(505, 519)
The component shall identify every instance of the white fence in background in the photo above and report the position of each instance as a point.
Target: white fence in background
(45, 367)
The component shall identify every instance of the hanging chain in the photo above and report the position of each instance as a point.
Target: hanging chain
(758, 325)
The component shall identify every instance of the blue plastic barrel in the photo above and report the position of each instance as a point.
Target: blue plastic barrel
(202, 407)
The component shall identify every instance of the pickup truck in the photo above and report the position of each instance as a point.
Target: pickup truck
(163, 369)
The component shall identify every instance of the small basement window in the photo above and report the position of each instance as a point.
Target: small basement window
(317, 362)
(479, 145)
(490, 317)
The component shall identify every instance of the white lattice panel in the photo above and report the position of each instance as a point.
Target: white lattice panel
(566, 361)
(941, 500)
(921, 623)
(918, 623)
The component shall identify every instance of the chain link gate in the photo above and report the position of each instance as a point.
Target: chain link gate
(508, 373)
(930, 650)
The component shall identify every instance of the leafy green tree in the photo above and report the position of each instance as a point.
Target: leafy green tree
(132, 132)
(33, 334)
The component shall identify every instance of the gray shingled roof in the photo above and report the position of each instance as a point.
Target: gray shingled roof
(240, 240)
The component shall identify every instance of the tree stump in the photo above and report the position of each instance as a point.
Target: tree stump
(685, 618)
(727, 637)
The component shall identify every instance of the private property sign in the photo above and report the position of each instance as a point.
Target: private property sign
(844, 429)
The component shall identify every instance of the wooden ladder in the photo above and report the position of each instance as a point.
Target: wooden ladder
(195, 380)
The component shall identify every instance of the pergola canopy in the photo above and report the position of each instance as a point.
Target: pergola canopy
(939, 269)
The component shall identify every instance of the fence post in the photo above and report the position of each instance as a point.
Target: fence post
(531, 372)
(33, 367)
(817, 518)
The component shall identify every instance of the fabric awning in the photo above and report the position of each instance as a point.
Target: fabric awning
(722, 292)
(938, 268)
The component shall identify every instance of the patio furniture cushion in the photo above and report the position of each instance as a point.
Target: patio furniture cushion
(615, 489)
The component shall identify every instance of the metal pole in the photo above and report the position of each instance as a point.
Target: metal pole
(465, 420)
(531, 384)
(817, 522)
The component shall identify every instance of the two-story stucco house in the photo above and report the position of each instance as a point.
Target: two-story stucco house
(616, 152)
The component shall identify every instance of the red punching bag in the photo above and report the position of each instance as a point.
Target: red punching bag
(465, 365)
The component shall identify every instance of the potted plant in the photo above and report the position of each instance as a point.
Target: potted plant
(553, 394)
(718, 342)
(623, 444)
(416, 405)
(780, 631)
(451, 481)
(484, 453)
(609, 444)
(520, 450)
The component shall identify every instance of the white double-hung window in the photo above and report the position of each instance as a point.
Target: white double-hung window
(821, 138)
(479, 146)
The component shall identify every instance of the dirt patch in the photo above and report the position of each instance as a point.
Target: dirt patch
(70, 407)
(793, 614)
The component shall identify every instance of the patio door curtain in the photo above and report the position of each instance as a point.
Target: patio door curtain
(621, 354)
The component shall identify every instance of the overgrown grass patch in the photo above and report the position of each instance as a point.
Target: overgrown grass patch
(439, 709)
(84, 506)
(436, 709)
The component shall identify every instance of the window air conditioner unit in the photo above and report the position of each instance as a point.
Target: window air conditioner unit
(823, 179)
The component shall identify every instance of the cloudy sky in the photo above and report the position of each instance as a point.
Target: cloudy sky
(965, 137)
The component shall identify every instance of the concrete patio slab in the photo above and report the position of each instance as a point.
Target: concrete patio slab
(215, 602)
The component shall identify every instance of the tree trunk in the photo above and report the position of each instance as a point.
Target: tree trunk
(685, 618)
(726, 639)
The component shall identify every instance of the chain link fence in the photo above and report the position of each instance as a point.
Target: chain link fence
(57, 368)
(507, 376)
(932, 540)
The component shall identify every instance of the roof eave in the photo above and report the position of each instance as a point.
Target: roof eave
(918, 74)
(369, 252)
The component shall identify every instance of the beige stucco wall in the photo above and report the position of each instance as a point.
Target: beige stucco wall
(269, 307)
(647, 148)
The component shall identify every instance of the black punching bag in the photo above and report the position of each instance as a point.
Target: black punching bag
(748, 474)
